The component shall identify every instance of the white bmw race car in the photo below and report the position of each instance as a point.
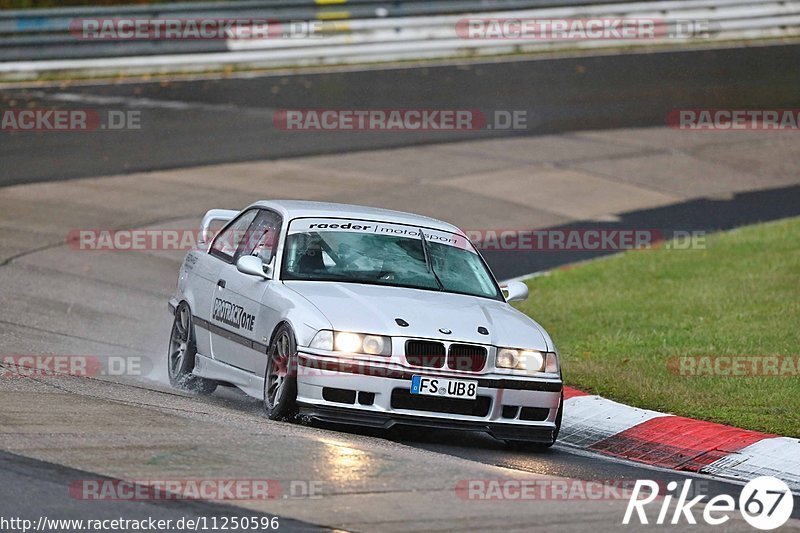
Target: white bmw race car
(361, 316)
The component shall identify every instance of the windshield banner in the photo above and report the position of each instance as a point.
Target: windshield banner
(306, 225)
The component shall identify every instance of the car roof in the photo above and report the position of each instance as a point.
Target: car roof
(291, 209)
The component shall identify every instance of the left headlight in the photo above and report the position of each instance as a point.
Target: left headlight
(347, 342)
(530, 361)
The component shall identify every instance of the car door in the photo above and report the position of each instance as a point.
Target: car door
(252, 316)
(198, 282)
(225, 320)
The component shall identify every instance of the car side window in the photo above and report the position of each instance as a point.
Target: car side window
(262, 238)
(231, 238)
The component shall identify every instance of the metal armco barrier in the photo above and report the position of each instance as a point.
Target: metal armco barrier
(33, 42)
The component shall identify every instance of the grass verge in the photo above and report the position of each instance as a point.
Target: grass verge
(622, 324)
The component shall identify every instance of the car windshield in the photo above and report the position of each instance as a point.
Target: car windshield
(385, 254)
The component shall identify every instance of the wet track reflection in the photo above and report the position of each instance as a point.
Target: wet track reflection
(346, 464)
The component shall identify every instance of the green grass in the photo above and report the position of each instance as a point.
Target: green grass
(618, 320)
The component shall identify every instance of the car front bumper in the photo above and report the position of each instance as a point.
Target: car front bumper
(378, 395)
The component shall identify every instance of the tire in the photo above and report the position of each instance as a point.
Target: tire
(540, 446)
(280, 380)
(180, 357)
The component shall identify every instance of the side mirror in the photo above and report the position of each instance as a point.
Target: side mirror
(252, 266)
(516, 291)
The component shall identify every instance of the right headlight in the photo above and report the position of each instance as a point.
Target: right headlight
(530, 361)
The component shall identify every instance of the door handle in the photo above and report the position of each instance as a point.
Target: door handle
(221, 284)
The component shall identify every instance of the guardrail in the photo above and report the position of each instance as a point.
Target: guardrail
(45, 33)
(346, 31)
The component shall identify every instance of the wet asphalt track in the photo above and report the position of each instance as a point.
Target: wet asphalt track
(230, 120)
(26, 483)
(191, 123)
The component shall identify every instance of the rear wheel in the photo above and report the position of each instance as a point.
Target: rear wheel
(541, 446)
(280, 381)
(182, 350)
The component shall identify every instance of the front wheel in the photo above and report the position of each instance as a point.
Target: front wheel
(280, 381)
(180, 358)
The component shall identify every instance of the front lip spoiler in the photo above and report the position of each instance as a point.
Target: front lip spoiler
(354, 417)
(364, 368)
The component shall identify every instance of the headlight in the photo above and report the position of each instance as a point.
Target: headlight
(507, 358)
(323, 340)
(530, 361)
(344, 341)
(376, 345)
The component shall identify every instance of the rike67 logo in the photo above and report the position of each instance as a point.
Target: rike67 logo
(765, 503)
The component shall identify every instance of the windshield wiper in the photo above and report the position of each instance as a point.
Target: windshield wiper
(428, 262)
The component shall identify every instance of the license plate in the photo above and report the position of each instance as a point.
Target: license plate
(448, 388)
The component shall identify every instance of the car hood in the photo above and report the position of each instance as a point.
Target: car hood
(373, 309)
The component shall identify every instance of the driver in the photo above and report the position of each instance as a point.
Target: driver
(310, 261)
